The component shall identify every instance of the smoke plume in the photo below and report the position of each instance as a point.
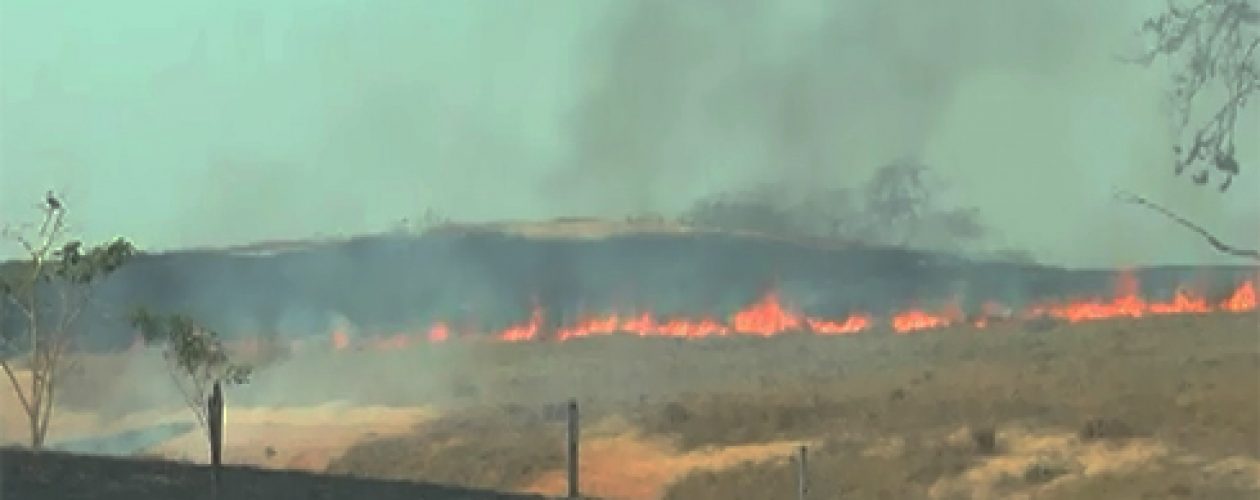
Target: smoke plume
(174, 123)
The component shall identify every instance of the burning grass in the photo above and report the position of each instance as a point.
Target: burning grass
(770, 316)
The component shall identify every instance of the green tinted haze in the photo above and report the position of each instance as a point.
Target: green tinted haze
(199, 123)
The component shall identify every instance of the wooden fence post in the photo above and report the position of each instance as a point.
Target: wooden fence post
(215, 420)
(573, 436)
(802, 473)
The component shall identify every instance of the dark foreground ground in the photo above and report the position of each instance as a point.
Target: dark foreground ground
(59, 476)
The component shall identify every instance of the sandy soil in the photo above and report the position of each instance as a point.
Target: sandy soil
(629, 465)
(298, 438)
(1164, 408)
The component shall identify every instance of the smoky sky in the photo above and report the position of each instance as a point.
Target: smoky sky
(184, 124)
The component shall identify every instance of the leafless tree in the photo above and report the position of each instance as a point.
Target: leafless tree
(898, 198)
(48, 289)
(1213, 48)
(898, 206)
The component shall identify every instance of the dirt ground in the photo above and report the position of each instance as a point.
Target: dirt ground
(1147, 408)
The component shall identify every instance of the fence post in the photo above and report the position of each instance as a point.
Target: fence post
(802, 473)
(573, 449)
(214, 416)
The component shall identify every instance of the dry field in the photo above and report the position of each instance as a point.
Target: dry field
(1147, 408)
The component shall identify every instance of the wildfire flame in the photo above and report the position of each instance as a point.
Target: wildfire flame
(769, 316)
(853, 324)
(765, 317)
(915, 319)
(439, 332)
(1243, 299)
(340, 340)
(524, 331)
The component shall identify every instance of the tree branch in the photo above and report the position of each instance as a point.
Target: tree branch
(17, 387)
(57, 267)
(1216, 243)
(1212, 41)
(191, 394)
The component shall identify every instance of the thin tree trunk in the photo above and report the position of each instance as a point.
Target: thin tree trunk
(17, 387)
(46, 412)
(37, 439)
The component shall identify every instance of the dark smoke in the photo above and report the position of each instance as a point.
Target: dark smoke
(900, 205)
(691, 98)
(344, 117)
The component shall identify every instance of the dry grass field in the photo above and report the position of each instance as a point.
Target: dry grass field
(1137, 408)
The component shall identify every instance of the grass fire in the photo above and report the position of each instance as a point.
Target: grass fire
(770, 316)
(713, 249)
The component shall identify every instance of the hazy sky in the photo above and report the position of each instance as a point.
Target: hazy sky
(221, 122)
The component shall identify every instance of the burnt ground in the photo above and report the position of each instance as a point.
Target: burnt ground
(59, 476)
(1146, 408)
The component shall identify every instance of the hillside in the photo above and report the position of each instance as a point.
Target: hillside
(487, 277)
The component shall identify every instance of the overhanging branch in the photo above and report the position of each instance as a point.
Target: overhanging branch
(1216, 243)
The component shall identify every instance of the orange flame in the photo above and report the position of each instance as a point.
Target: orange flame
(643, 325)
(439, 332)
(1128, 303)
(765, 317)
(524, 331)
(1183, 302)
(1243, 299)
(340, 340)
(853, 324)
(915, 319)
(769, 316)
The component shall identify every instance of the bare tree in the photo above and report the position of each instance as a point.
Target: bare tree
(195, 357)
(48, 289)
(898, 205)
(1211, 43)
(898, 198)
(1213, 47)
